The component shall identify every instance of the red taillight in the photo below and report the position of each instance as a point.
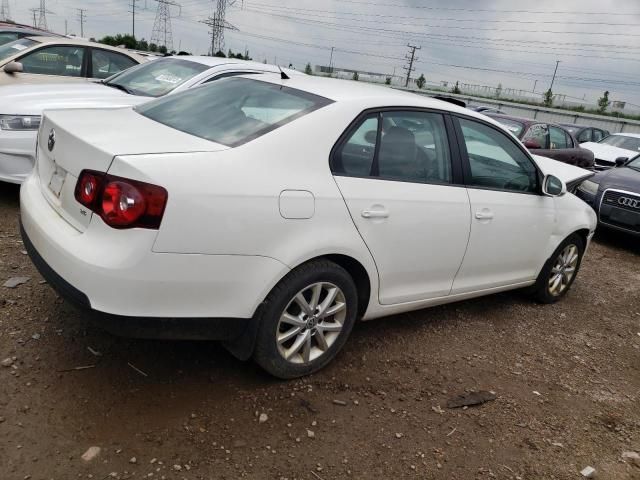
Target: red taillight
(120, 202)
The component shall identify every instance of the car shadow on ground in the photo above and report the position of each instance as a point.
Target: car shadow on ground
(9, 193)
(618, 240)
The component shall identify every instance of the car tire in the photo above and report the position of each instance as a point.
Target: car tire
(295, 339)
(560, 271)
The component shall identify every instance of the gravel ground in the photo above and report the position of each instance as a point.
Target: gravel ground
(566, 378)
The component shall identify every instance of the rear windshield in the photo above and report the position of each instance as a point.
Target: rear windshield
(513, 126)
(622, 141)
(232, 111)
(14, 48)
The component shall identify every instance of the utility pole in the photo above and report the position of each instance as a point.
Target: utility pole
(411, 58)
(534, 86)
(34, 11)
(66, 30)
(5, 12)
(554, 75)
(81, 17)
(161, 34)
(133, 17)
(331, 61)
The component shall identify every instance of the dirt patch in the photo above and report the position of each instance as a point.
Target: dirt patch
(566, 377)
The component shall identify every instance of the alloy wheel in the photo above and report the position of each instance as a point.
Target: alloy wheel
(563, 270)
(311, 322)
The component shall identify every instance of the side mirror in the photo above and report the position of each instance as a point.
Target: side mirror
(371, 136)
(620, 161)
(552, 186)
(532, 143)
(13, 67)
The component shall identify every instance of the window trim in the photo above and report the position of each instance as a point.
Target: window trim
(83, 68)
(454, 156)
(90, 61)
(466, 166)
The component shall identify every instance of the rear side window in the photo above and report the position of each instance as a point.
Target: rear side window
(105, 63)
(585, 135)
(559, 139)
(232, 111)
(598, 135)
(407, 146)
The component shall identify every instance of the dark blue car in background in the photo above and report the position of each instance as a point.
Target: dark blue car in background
(615, 196)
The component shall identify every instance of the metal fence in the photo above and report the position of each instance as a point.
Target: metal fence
(552, 115)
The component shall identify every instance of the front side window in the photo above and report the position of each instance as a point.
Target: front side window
(157, 77)
(495, 161)
(413, 147)
(622, 141)
(559, 139)
(105, 63)
(14, 48)
(63, 60)
(537, 133)
(232, 111)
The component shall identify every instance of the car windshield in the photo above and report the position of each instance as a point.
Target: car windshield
(622, 141)
(635, 163)
(13, 48)
(513, 126)
(157, 77)
(232, 111)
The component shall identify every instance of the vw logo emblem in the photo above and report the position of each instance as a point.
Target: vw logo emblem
(629, 202)
(51, 141)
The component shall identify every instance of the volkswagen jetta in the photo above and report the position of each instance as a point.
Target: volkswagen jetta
(273, 212)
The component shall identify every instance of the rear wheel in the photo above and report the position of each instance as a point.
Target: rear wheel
(559, 272)
(306, 320)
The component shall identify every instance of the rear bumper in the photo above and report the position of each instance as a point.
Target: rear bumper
(225, 329)
(116, 273)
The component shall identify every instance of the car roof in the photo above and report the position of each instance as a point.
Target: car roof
(217, 61)
(633, 135)
(349, 90)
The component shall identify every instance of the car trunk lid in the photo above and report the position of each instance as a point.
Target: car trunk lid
(70, 141)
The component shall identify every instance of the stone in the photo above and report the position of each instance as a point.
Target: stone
(13, 282)
(588, 472)
(7, 362)
(631, 457)
(263, 418)
(91, 453)
(342, 403)
(133, 460)
(311, 434)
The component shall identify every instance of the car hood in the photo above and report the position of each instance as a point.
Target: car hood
(569, 174)
(34, 99)
(607, 152)
(622, 177)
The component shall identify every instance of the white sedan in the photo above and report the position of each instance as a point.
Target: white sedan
(616, 146)
(21, 106)
(272, 213)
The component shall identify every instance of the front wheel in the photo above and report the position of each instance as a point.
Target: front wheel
(306, 320)
(559, 272)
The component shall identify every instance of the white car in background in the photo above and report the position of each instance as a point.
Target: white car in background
(273, 212)
(613, 147)
(21, 106)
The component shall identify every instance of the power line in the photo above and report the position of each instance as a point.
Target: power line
(411, 57)
(537, 12)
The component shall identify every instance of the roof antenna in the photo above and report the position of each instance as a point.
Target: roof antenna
(283, 75)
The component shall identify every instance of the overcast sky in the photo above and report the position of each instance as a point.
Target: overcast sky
(512, 42)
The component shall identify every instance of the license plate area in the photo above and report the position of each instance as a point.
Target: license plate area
(57, 180)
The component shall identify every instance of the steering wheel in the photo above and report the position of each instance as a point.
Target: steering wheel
(512, 183)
